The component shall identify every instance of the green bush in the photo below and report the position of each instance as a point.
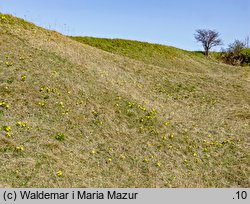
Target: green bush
(237, 54)
(246, 56)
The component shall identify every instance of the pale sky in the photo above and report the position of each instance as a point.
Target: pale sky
(159, 21)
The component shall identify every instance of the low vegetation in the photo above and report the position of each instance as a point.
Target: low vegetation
(154, 54)
(118, 113)
(239, 57)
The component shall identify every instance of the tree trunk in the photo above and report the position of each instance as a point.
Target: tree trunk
(206, 52)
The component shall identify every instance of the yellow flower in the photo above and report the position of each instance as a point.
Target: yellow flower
(205, 149)
(141, 107)
(122, 156)
(19, 123)
(8, 134)
(7, 128)
(158, 164)
(171, 136)
(4, 105)
(145, 160)
(93, 151)
(140, 129)
(41, 104)
(194, 154)
(19, 148)
(23, 77)
(109, 160)
(59, 173)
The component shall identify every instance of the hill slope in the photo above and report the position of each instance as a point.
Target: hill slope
(72, 115)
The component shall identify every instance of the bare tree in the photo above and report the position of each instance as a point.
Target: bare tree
(236, 47)
(208, 38)
(234, 54)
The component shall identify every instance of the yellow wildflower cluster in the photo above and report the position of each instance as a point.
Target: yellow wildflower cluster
(59, 173)
(19, 148)
(171, 136)
(158, 164)
(141, 107)
(21, 124)
(23, 77)
(8, 134)
(8, 64)
(42, 104)
(130, 104)
(4, 105)
(3, 18)
(7, 128)
(122, 156)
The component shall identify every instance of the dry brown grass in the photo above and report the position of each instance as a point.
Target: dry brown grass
(206, 105)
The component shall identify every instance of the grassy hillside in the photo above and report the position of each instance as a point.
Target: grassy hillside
(154, 54)
(72, 115)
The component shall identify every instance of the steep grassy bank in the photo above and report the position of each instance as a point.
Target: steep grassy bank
(72, 115)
